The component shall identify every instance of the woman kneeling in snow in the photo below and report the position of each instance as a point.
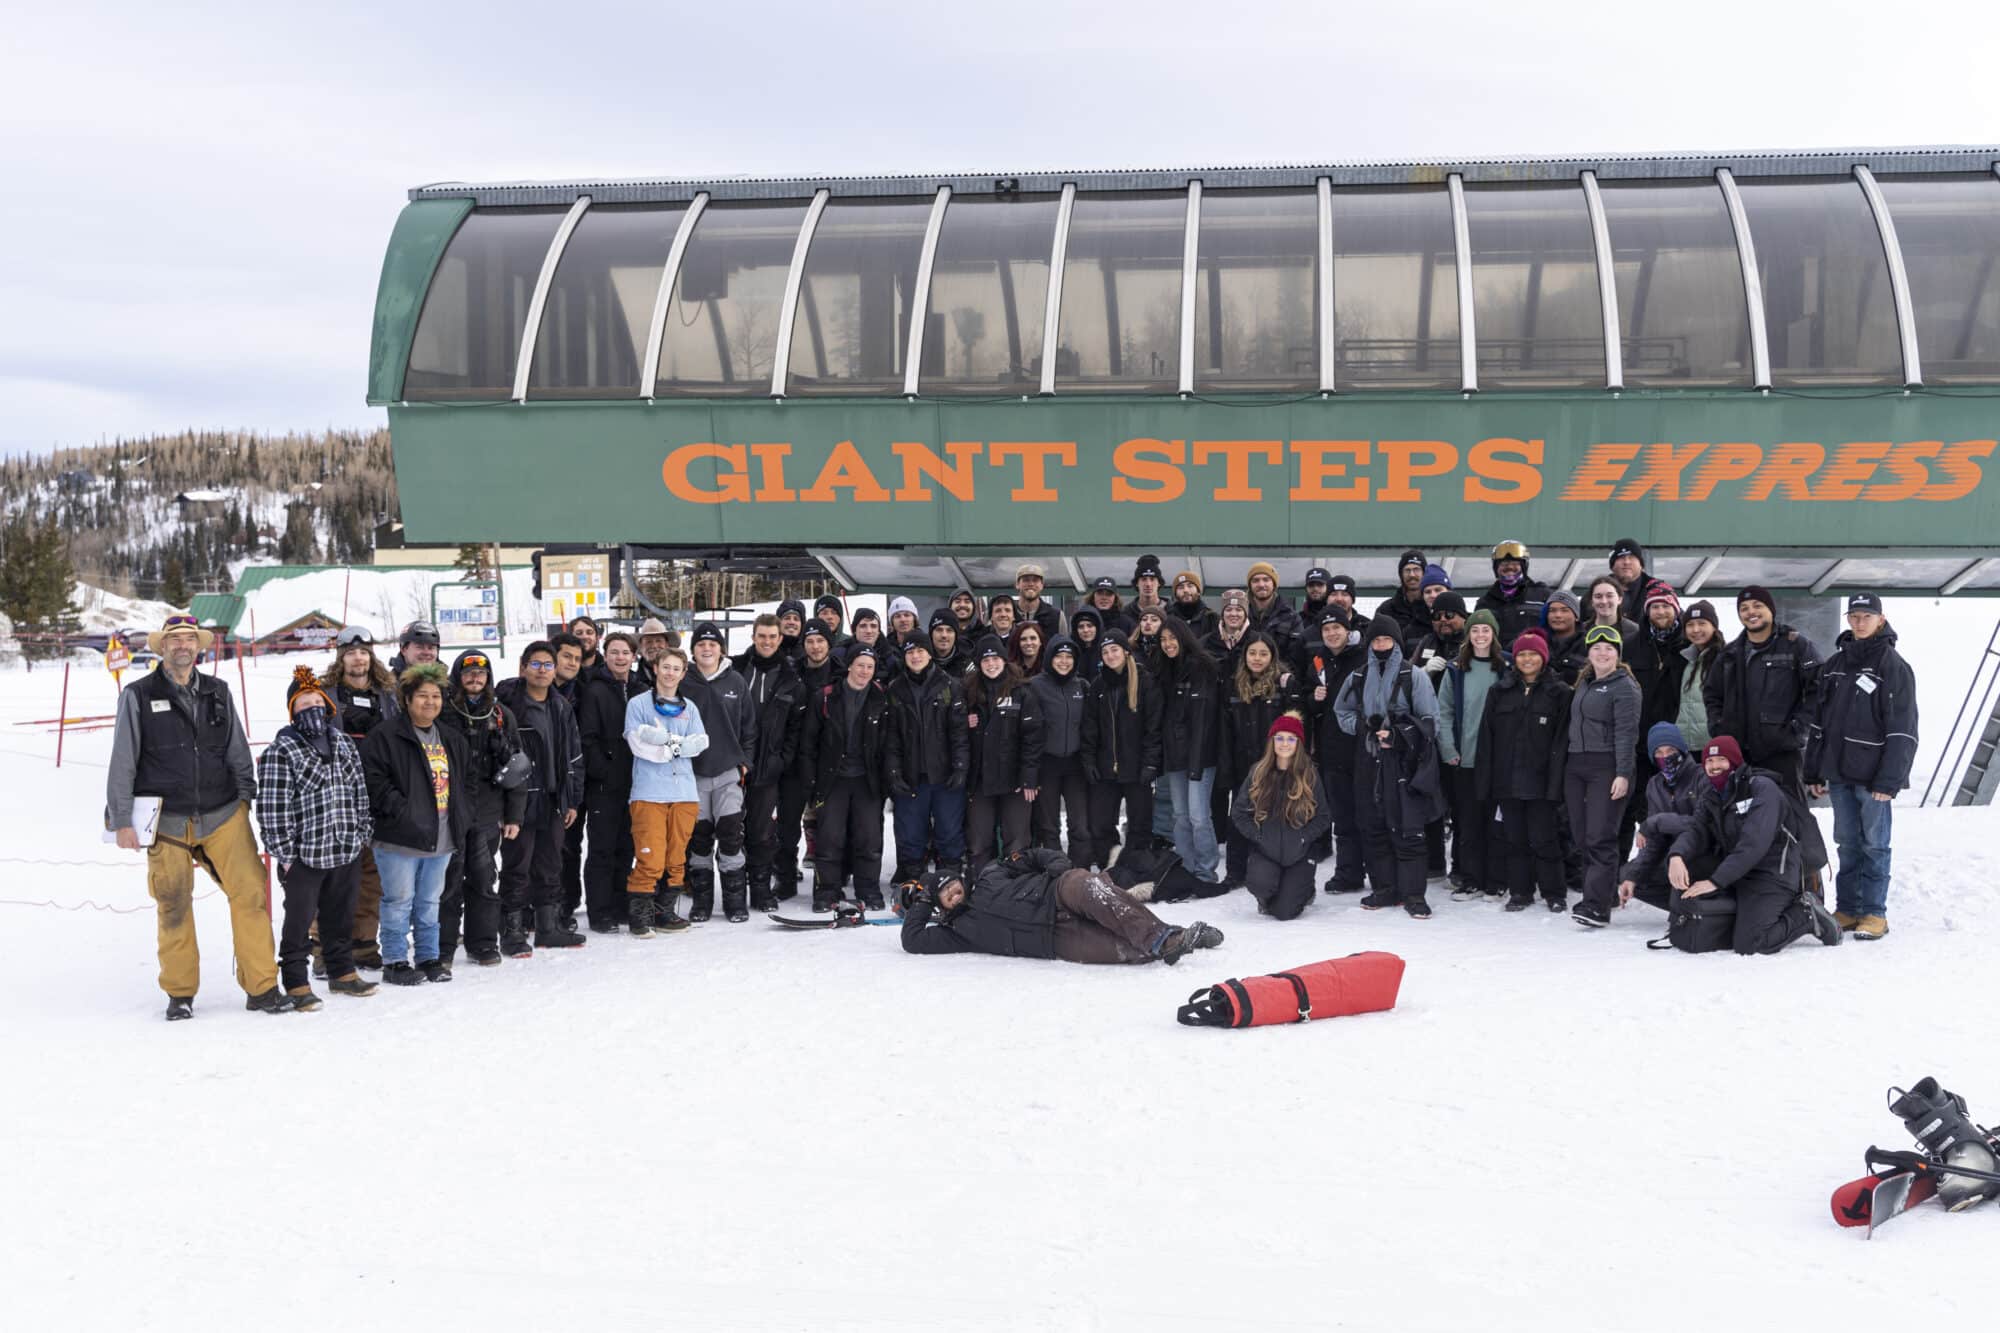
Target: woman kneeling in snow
(1035, 906)
(1280, 812)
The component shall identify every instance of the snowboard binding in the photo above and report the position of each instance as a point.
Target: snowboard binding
(1938, 1120)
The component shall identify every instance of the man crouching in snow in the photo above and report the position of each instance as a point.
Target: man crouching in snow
(1034, 905)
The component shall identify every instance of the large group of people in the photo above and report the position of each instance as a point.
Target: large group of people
(1530, 746)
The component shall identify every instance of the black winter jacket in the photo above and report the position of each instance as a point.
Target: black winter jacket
(1333, 749)
(1275, 839)
(1524, 739)
(1279, 621)
(600, 722)
(1865, 724)
(1764, 694)
(1743, 828)
(1522, 611)
(492, 736)
(1190, 715)
(1005, 748)
(824, 740)
(1671, 804)
(1414, 617)
(1059, 701)
(1010, 910)
(927, 737)
(400, 798)
(727, 715)
(358, 712)
(779, 695)
(557, 785)
(1197, 615)
(1121, 746)
(1245, 723)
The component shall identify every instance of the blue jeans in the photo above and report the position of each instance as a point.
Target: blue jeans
(1163, 807)
(411, 885)
(935, 815)
(1194, 830)
(1861, 832)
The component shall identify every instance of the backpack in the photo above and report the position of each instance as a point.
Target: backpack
(1700, 925)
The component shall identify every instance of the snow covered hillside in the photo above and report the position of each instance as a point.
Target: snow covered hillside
(743, 1128)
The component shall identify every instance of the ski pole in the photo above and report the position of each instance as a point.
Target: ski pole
(1916, 1161)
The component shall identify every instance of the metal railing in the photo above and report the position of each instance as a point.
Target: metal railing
(1969, 748)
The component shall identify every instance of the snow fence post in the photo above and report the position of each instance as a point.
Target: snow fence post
(62, 719)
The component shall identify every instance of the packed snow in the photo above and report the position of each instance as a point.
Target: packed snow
(746, 1128)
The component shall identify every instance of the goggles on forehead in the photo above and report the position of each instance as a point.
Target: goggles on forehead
(475, 662)
(354, 637)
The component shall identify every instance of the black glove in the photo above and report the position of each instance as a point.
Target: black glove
(913, 893)
(956, 782)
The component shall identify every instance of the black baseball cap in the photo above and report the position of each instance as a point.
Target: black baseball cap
(1864, 601)
(1318, 575)
(1104, 583)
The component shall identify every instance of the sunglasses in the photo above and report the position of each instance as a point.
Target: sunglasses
(538, 666)
(1603, 634)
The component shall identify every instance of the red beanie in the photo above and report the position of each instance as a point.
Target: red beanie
(1289, 724)
(1725, 747)
(1532, 641)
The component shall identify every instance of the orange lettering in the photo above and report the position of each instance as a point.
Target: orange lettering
(1595, 477)
(1906, 461)
(845, 467)
(1157, 462)
(1236, 455)
(919, 462)
(1725, 462)
(1850, 467)
(1788, 467)
(1034, 456)
(1402, 467)
(1662, 472)
(1958, 465)
(734, 484)
(1317, 468)
(1520, 481)
(771, 467)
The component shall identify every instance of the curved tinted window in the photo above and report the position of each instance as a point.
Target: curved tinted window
(1121, 296)
(1256, 325)
(1827, 306)
(469, 333)
(722, 324)
(1681, 315)
(1534, 285)
(1395, 289)
(601, 302)
(1949, 228)
(853, 324)
(989, 287)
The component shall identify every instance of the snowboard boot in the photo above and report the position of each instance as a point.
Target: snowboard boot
(179, 1007)
(786, 885)
(871, 898)
(824, 900)
(762, 899)
(665, 916)
(272, 1001)
(485, 954)
(550, 933)
(639, 911)
(736, 895)
(1938, 1122)
(514, 935)
(1825, 927)
(701, 888)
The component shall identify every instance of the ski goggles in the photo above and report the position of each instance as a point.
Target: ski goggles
(354, 637)
(1597, 634)
(475, 662)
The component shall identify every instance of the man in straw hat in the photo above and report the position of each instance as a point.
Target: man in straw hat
(178, 740)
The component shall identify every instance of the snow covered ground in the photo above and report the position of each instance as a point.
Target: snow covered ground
(742, 1128)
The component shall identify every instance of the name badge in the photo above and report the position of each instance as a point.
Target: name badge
(1866, 684)
(161, 706)
(360, 701)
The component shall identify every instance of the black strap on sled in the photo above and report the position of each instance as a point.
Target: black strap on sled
(1209, 1007)
(1299, 989)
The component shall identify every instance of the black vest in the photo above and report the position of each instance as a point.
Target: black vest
(184, 760)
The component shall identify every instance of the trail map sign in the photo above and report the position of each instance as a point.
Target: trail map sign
(575, 585)
(469, 615)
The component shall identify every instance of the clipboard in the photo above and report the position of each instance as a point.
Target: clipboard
(145, 821)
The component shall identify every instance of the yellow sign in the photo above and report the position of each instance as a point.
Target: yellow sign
(116, 658)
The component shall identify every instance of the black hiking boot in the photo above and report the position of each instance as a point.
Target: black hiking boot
(1590, 914)
(1824, 927)
(436, 970)
(1205, 935)
(1380, 899)
(550, 933)
(1418, 908)
(179, 1007)
(736, 895)
(1519, 904)
(402, 974)
(485, 953)
(272, 1001)
(701, 889)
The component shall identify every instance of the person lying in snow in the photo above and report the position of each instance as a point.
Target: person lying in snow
(1034, 905)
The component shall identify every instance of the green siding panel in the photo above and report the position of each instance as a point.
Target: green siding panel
(423, 229)
(1680, 469)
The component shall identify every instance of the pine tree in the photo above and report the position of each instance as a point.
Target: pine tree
(173, 584)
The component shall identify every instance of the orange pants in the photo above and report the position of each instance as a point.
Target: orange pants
(660, 833)
(230, 853)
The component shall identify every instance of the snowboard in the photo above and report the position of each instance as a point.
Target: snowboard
(840, 920)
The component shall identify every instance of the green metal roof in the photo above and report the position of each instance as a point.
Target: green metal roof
(217, 610)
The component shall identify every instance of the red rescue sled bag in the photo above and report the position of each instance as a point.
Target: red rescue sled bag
(1361, 983)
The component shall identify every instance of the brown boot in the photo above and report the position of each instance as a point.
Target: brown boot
(1871, 928)
(1846, 921)
(303, 998)
(352, 984)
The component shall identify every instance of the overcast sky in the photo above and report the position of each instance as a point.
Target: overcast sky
(197, 196)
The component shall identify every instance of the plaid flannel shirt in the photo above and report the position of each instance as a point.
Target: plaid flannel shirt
(310, 808)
